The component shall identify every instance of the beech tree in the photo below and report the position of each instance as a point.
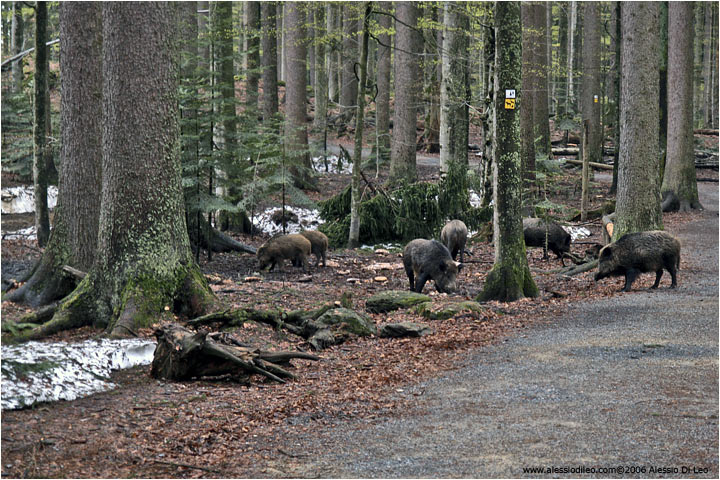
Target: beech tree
(679, 179)
(638, 192)
(143, 268)
(510, 277)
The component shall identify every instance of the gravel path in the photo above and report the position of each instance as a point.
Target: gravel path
(623, 382)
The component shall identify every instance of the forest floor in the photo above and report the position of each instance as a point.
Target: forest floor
(367, 387)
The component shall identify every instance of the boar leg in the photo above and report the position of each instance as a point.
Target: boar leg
(673, 274)
(658, 276)
(420, 283)
(630, 277)
(323, 258)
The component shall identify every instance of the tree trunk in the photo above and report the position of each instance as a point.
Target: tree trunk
(529, 90)
(638, 195)
(591, 92)
(408, 44)
(321, 77)
(349, 84)
(680, 178)
(384, 52)
(222, 26)
(330, 16)
(662, 74)
(17, 43)
(143, 263)
(617, 27)
(541, 115)
(296, 138)
(41, 149)
(354, 235)
(454, 88)
(251, 13)
(269, 61)
(569, 93)
(708, 55)
(75, 223)
(488, 119)
(510, 277)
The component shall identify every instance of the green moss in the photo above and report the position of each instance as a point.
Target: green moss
(394, 300)
(446, 311)
(348, 321)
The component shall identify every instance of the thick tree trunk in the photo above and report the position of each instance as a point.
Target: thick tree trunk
(354, 235)
(269, 60)
(73, 240)
(251, 13)
(541, 115)
(41, 151)
(617, 27)
(510, 277)
(408, 81)
(679, 178)
(384, 52)
(530, 39)
(638, 195)
(144, 263)
(591, 93)
(296, 138)
(569, 92)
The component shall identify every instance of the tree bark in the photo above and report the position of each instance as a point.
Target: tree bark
(296, 138)
(569, 93)
(384, 52)
(41, 152)
(17, 38)
(321, 77)
(510, 277)
(269, 60)
(73, 240)
(330, 21)
(541, 113)
(354, 235)
(591, 92)
(638, 195)
(679, 177)
(530, 38)
(617, 27)
(349, 84)
(223, 30)
(408, 44)
(251, 13)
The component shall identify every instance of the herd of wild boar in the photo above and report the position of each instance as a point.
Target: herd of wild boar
(424, 260)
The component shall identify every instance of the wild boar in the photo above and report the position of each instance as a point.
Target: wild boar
(454, 236)
(294, 247)
(640, 252)
(430, 259)
(318, 244)
(558, 240)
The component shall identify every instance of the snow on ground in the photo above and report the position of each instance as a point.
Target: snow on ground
(307, 220)
(319, 165)
(577, 233)
(28, 233)
(43, 372)
(22, 199)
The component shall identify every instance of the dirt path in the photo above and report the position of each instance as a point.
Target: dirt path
(627, 381)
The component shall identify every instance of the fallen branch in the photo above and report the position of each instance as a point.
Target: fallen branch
(706, 131)
(600, 166)
(74, 272)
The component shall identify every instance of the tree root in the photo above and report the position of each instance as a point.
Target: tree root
(182, 354)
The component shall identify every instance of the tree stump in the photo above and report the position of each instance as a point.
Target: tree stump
(182, 355)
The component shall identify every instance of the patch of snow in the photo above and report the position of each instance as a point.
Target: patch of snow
(319, 165)
(307, 220)
(44, 372)
(384, 246)
(22, 199)
(475, 200)
(28, 233)
(577, 233)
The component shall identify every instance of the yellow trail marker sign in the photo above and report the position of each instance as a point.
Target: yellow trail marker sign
(509, 104)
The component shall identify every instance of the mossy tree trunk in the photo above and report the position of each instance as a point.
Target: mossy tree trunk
(510, 277)
(408, 81)
(679, 177)
(354, 235)
(638, 194)
(73, 240)
(143, 270)
(41, 151)
(269, 60)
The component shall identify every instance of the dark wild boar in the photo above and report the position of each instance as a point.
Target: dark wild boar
(640, 252)
(430, 259)
(454, 236)
(293, 247)
(558, 240)
(318, 244)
